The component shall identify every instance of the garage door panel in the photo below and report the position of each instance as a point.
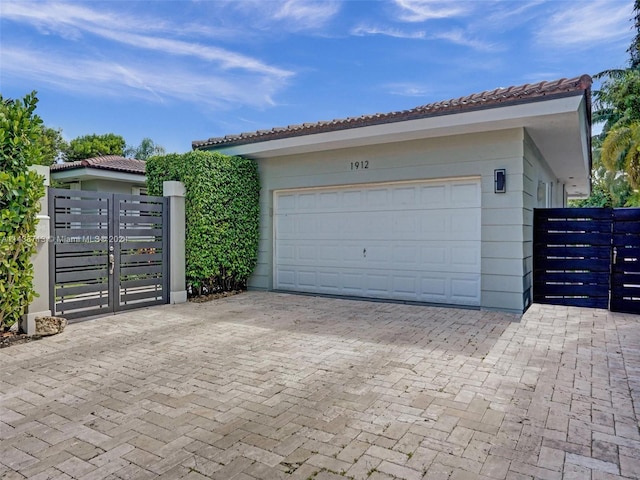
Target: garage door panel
(329, 281)
(411, 255)
(377, 285)
(403, 197)
(434, 287)
(404, 286)
(434, 256)
(466, 257)
(306, 278)
(402, 254)
(307, 253)
(329, 200)
(287, 202)
(465, 290)
(286, 279)
(286, 254)
(464, 195)
(406, 241)
(433, 196)
(377, 197)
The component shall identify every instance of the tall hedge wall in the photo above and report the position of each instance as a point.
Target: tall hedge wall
(20, 192)
(222, 216)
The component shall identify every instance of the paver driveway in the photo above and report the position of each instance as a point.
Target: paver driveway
(266, 385)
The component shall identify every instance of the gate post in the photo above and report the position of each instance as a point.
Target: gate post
(175, 191)
(39, 307)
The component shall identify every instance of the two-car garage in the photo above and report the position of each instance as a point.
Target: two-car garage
(410, 205)
(413, 241)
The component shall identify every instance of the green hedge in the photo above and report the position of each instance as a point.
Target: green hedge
(222, 216)
(20, 192)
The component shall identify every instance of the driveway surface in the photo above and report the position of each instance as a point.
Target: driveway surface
(269, 386)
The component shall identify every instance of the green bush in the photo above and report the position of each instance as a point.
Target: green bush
(222, 216)
(20, 192)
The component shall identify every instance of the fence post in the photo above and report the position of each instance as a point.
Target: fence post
(177, 280)
(40, 306)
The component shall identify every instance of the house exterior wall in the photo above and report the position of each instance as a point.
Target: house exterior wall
(471, 155)
(111, 186)
(541, 190)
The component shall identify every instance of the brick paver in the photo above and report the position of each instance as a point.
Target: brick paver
(276, 386)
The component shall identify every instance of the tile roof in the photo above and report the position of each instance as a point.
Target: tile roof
(530, 92)
(107, 162)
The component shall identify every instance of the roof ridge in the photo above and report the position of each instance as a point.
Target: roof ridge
(105, 162)
(486, 99)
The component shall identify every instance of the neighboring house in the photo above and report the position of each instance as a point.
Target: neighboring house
(406, 205)
(110, 173)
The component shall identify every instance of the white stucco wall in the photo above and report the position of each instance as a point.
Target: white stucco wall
(478, 154)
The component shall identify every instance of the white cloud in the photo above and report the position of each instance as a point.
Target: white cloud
(459, 37)
(157, 64)
(307, 14)
(581, 24)
(72, 21)
(153, 82)
(407, 89)
(364, 30)
(422, 10)
(456, 36)
(225, 58)
(283, 16)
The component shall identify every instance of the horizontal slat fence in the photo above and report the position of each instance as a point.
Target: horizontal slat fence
(625, 280)
(572, 256)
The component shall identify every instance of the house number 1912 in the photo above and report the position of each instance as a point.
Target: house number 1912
(363, 165)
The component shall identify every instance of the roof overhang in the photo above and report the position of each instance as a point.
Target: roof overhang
(559, 125)
(84, 173)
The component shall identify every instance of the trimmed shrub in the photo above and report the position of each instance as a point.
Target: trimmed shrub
(222, 216)
(20, 192)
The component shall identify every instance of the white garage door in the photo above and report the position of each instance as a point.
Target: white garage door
(416, 241)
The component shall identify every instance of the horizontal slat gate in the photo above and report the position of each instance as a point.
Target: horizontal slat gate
(109, 252)
(79, 274)
(572, 256)
(625, 279)
(143, 257)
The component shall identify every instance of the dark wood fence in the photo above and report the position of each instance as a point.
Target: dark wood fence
(587, 257)
(572, 254)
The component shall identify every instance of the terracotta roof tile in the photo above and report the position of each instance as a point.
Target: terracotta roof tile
(107, 162)
(488, 99)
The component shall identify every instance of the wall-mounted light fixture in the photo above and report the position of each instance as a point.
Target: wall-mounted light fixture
(500, 180)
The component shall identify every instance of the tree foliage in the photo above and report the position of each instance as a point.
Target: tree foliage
(616, 150)
(634, 48)
(222, 216)
(20, 192)
(147, 149)
(94, 145)
(52, 145)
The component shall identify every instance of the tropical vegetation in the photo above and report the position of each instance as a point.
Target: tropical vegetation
(616, 150)
(21, 132)
(222, 216)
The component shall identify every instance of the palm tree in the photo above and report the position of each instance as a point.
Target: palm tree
(617, 105)
(621, 151)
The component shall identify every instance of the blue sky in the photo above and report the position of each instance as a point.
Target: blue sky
(177, 71)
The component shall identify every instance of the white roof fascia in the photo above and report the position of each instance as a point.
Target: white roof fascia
(96, 173)
(482, 120)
